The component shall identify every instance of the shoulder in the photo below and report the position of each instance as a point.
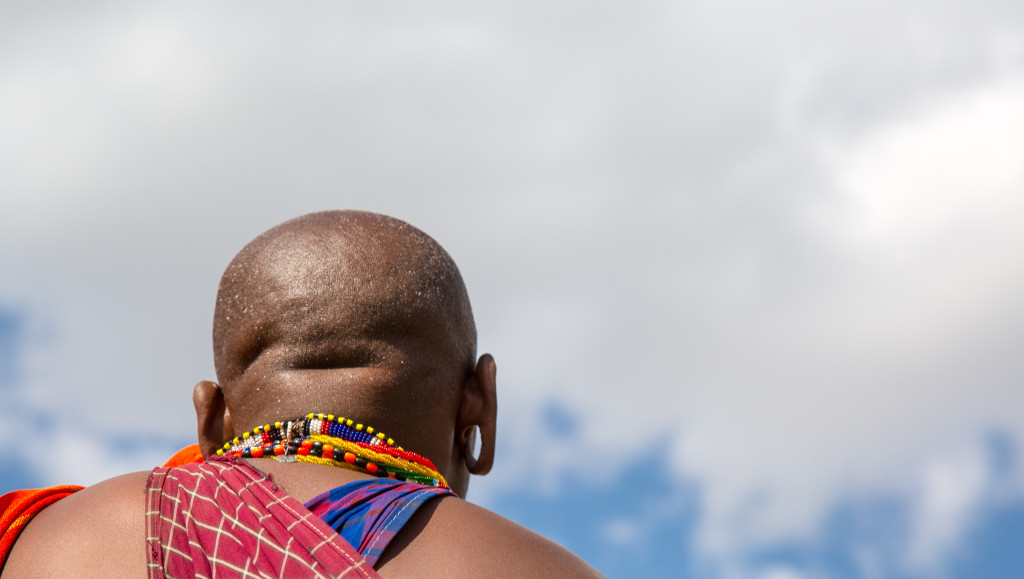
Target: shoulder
(454, 538)
(99, 530)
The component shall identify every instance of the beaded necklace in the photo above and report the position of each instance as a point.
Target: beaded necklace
(324, 439)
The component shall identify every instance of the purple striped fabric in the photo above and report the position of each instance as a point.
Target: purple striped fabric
(222, 518)
(369, 512)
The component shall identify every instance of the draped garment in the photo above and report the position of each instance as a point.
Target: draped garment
(224, 518)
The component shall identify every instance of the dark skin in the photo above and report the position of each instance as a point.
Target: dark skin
(349, 313)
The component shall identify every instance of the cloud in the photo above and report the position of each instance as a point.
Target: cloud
(780, 573)
(621, 533)
(10, 338)
(948, 170)
(954, 491)
(887, 347)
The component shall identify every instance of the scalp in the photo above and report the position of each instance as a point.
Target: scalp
(341, 289)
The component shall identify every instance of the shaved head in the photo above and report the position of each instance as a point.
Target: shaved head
(348, 312)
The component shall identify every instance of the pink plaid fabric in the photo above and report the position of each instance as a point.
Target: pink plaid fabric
(222, 518)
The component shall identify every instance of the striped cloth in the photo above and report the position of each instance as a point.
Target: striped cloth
(222, 518)
(369, 512)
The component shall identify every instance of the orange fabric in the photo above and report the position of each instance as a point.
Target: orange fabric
(18, 507)
(187, 455)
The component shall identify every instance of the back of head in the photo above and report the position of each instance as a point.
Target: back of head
(345, 312)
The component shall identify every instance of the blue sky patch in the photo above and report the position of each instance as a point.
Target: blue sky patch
(638, 526)
(559, 420)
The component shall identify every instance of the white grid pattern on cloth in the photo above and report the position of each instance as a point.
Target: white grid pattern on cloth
(265, 501)
(237, 525)
(153, 494)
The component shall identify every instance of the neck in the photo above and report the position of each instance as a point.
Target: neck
(303, 480)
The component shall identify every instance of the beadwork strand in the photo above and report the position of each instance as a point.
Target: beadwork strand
(324, 439)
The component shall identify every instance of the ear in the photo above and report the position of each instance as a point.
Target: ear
(479, 409)
(213, 419)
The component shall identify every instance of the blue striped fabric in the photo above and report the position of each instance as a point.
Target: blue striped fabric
(369, 512)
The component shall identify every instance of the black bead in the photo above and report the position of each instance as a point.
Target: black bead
(360, 462)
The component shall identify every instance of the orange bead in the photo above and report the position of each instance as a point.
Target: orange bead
(350, 458)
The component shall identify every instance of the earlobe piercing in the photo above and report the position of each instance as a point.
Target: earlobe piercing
(469, 447)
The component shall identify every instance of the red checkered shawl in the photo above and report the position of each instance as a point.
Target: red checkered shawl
(222, 518)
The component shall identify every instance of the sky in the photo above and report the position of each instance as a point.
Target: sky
(750, 271)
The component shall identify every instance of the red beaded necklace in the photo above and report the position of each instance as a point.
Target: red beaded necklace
(325, 439)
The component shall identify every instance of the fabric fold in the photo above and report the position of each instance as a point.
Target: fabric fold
(225, 517)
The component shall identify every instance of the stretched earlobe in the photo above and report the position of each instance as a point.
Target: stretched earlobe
(469, 453)
(213, 419)
(479, 413)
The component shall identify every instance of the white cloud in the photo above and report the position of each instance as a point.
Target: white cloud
(950, 169)
(622, 533)
(879, 357)
(780, 573)
(954, 489)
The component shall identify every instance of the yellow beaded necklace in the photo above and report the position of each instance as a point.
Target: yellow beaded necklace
(325, 439)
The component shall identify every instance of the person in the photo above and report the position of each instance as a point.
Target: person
(337, 335)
